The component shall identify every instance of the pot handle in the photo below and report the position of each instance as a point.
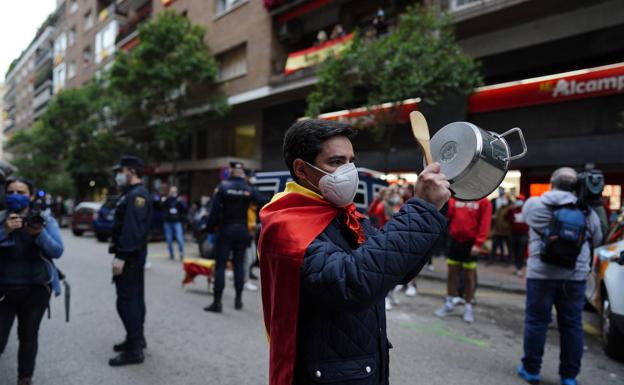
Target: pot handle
(524, 146)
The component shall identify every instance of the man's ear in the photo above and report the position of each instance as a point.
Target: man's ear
(300, 169)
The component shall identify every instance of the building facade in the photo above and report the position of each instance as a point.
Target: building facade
(268, 50)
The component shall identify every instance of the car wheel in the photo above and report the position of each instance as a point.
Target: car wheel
(612, 339)
(77, 232)
(101, 237)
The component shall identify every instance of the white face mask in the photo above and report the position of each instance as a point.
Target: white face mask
(121, 179)
(339, 187)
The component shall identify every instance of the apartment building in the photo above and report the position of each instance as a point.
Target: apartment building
(268, 51)
(84, 41)
(28, 84)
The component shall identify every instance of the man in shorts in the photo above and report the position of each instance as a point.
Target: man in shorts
(469, 225)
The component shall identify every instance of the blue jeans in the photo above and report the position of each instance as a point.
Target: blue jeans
(568, 298)
(174, 229)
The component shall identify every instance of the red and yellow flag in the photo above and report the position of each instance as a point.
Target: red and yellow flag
(290, 223)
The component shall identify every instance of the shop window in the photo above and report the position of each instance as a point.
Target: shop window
(245, 141)
(225, 5)
(105, 41)
(232, 64)
(614, 193)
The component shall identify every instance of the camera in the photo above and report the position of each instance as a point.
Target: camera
(34, 218)
(589, 187)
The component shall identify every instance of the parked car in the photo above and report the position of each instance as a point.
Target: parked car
(103, 223)
(605, 292)
(83, 217)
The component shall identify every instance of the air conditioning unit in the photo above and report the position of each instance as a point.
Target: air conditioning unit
(289, 32)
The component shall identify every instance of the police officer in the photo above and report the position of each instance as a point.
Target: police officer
(131, 226)
(228, 215)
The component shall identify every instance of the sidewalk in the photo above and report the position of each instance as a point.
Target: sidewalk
(495, 276)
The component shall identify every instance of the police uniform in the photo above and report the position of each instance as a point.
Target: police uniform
(131, 226)
(228, 215)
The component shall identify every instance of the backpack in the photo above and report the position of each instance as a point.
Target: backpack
(564, 237)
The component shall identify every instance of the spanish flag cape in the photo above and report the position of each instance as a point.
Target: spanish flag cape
(290, 222)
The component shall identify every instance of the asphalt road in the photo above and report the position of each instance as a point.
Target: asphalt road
(189, 346)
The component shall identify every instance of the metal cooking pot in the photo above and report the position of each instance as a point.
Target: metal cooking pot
(474, 160)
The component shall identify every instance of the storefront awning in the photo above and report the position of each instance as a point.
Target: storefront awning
(317, 54)
(586, 83)
(364, 116)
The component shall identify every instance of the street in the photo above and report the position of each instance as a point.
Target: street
(189, 346)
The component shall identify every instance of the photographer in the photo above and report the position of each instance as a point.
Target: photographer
(29, 240)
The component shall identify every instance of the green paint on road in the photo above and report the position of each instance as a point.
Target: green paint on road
(439, 330)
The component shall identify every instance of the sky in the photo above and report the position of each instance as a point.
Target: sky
(19, 21)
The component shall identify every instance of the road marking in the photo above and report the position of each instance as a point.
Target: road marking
(439, 330)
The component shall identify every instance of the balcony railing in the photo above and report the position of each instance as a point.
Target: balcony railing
(314, 55)
(131, 25)
(124, 6)
(42, 98)
(43, 57)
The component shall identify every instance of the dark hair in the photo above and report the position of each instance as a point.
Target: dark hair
(31, 186)
(303, 140)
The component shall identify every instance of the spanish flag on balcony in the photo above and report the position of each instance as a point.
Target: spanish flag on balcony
(290, 222)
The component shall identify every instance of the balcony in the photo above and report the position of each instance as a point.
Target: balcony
(42, 74)
(123, 7)
(42, 98)
(43, 57)
(317, 54)
(43, 86)
(128, 30)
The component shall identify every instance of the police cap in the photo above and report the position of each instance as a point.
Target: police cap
(129, 161)
(238, 165)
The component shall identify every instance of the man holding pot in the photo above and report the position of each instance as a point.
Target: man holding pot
(326, 270)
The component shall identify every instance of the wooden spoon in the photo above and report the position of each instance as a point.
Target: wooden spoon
(420, 130)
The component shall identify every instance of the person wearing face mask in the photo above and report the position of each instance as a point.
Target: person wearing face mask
(175, 212)
(228, 217)
(29, 242)
(131, 226)
(325, 271)
(519, 234)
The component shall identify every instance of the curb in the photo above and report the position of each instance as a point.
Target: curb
(499, 286)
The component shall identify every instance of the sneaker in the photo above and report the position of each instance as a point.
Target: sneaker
(394, 300)
(445, 310)
(458, 301)
(250, 286)
(519, 273)
(411, 290)
(431, 267)
(528, 377)
(388, 304)
(568, 381)
(148, 265)
(468, 316)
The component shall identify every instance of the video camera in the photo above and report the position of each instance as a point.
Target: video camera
(589, 187)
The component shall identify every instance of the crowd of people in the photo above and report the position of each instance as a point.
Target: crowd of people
(327, 285)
